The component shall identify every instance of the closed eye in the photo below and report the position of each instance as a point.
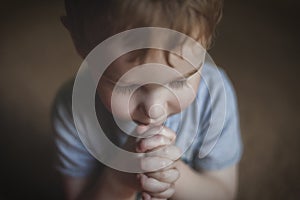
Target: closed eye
(178, 84)
(125, 89)
(130, 88)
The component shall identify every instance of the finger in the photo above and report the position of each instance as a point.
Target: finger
(140, 129)
(146, 196)
(162, 130)
(167, 176)
(152, 143)
(163, 195)
(152, 185)
(150, 164)
(170, 152)
(148, 131)
(165, 131)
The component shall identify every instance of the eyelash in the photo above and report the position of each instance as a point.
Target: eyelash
(129, 89)
(125, 89)
(178, 84)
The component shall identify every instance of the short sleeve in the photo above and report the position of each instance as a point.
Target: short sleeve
(72, 158)
(226, 145)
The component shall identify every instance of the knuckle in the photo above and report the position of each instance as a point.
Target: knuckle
(144, 185)
(161, 139)
(167, 150)
(143, 144)
(168, 193)
(177, 174)
(169, 176)
(144, 163)
(163, 175)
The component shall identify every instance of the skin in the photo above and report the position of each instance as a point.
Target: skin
(148, 107)
(160, 184)
(150, 104)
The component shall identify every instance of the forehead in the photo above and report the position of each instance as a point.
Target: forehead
(133, 59)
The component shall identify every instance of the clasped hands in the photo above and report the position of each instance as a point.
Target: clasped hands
(159, 162)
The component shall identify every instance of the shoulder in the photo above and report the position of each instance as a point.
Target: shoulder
(214, 79)
(72, 158)
(62, 103)
(216, 91)
(220, 143)
(64, 95)
(209, 134)
(61, 112)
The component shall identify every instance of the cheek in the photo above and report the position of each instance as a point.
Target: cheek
(120, 106)
(115, 103)
(105, 96)
(187, 95)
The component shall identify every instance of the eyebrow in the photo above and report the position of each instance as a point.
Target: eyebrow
(189, 74)
(186, 76)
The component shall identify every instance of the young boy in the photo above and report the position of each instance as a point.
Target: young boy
(169, 108)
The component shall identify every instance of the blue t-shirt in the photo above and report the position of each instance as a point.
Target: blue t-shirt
(214, 144)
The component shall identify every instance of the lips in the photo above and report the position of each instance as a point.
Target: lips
(158, 122)
(151, 122)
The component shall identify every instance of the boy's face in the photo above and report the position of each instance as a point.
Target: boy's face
(148, 94)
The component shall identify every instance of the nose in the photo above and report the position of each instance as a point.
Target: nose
(152, 105)
(156, 111)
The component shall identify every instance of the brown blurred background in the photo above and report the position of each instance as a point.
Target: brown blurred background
(258, 46)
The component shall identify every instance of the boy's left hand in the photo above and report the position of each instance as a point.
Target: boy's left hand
(160, 153)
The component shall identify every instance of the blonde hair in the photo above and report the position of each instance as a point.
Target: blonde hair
(196, 18)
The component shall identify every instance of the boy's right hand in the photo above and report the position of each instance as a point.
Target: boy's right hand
(160, 152)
